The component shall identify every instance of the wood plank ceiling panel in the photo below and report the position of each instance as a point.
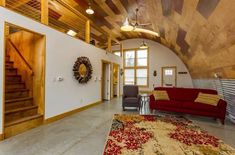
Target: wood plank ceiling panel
(200, 32)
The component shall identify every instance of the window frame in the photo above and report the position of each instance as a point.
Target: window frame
(135, 67)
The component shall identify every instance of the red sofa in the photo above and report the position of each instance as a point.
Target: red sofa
(182, 100)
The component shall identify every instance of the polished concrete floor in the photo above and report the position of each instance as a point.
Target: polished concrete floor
(85, 133)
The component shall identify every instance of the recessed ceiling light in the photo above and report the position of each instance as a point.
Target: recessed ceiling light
(72, 33)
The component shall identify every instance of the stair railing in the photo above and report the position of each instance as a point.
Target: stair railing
(21, 56)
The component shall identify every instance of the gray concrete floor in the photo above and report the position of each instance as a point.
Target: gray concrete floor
(85, 133)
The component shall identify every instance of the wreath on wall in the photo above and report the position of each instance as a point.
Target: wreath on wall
(82, 70)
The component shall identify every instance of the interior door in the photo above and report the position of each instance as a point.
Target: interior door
(106, 82)
(115, 80)
(169, 76)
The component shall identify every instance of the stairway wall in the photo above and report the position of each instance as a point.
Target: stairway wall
(61, 53)
(2, 56)
(31, 46)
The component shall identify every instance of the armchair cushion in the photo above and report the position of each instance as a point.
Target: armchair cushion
(131, 100)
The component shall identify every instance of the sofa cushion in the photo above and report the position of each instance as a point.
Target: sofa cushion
(131, 100)
(160, 95)
(199, 106)
(210, 99)
(165, 103)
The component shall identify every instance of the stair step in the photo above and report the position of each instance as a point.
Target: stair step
(9, 64)
(15, 114)
(21, 109)
(16, 93)
(11, 71)
(21, 120)
(13, 78)
(18, 126)
(7, 58)
(15, 85)
(19, 103)
(18, 100)
(16, 90)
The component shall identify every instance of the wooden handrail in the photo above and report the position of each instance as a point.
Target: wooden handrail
(21, 56)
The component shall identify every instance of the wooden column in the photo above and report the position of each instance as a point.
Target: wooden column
(7, 30)
(121, 49)
(88, 31)
(44, 11)
(3, 3)
(109, 44)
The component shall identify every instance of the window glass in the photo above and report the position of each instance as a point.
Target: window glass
(141, 76)
(129, 58)
(142, 57)
(168, 72)
(129, 76)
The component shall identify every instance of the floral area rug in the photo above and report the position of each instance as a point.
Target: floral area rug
(161, 135)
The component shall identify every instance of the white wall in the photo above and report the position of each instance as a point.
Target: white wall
(160, 56)
(61, 53)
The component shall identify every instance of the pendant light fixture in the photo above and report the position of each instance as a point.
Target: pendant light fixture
(143, 45)
(89, 10)
(126, 26)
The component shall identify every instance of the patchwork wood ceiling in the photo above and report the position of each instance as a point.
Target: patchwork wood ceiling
(200, 32)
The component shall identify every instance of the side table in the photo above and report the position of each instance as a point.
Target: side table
(144, 99)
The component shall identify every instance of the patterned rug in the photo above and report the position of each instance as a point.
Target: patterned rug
(161, 135)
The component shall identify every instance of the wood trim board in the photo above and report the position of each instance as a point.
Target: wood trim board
(63, 115)
(1, 137)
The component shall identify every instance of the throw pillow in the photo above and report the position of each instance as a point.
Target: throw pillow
(210, 99)
(160, 95)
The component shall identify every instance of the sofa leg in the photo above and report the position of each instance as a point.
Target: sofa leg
(123, 108)
(151, 111)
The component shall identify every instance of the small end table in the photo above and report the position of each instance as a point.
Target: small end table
(144, 99)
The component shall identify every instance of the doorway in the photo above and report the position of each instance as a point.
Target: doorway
(24, 79)
(106, 80)
(169, 76)
(116, 80)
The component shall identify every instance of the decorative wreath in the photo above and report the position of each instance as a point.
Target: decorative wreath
(82, 69)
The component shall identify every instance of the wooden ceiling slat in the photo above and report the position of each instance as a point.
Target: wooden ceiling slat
(113, 7)
(194, 30)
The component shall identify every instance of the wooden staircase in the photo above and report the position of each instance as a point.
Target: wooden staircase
(21, 113)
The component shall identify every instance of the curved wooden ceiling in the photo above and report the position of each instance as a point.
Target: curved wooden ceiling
(200, 32)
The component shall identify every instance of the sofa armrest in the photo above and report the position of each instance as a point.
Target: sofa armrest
(123, 96)
(151, 101)
(222, 105)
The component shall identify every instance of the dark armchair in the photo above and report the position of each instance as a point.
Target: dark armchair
(131, 97)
